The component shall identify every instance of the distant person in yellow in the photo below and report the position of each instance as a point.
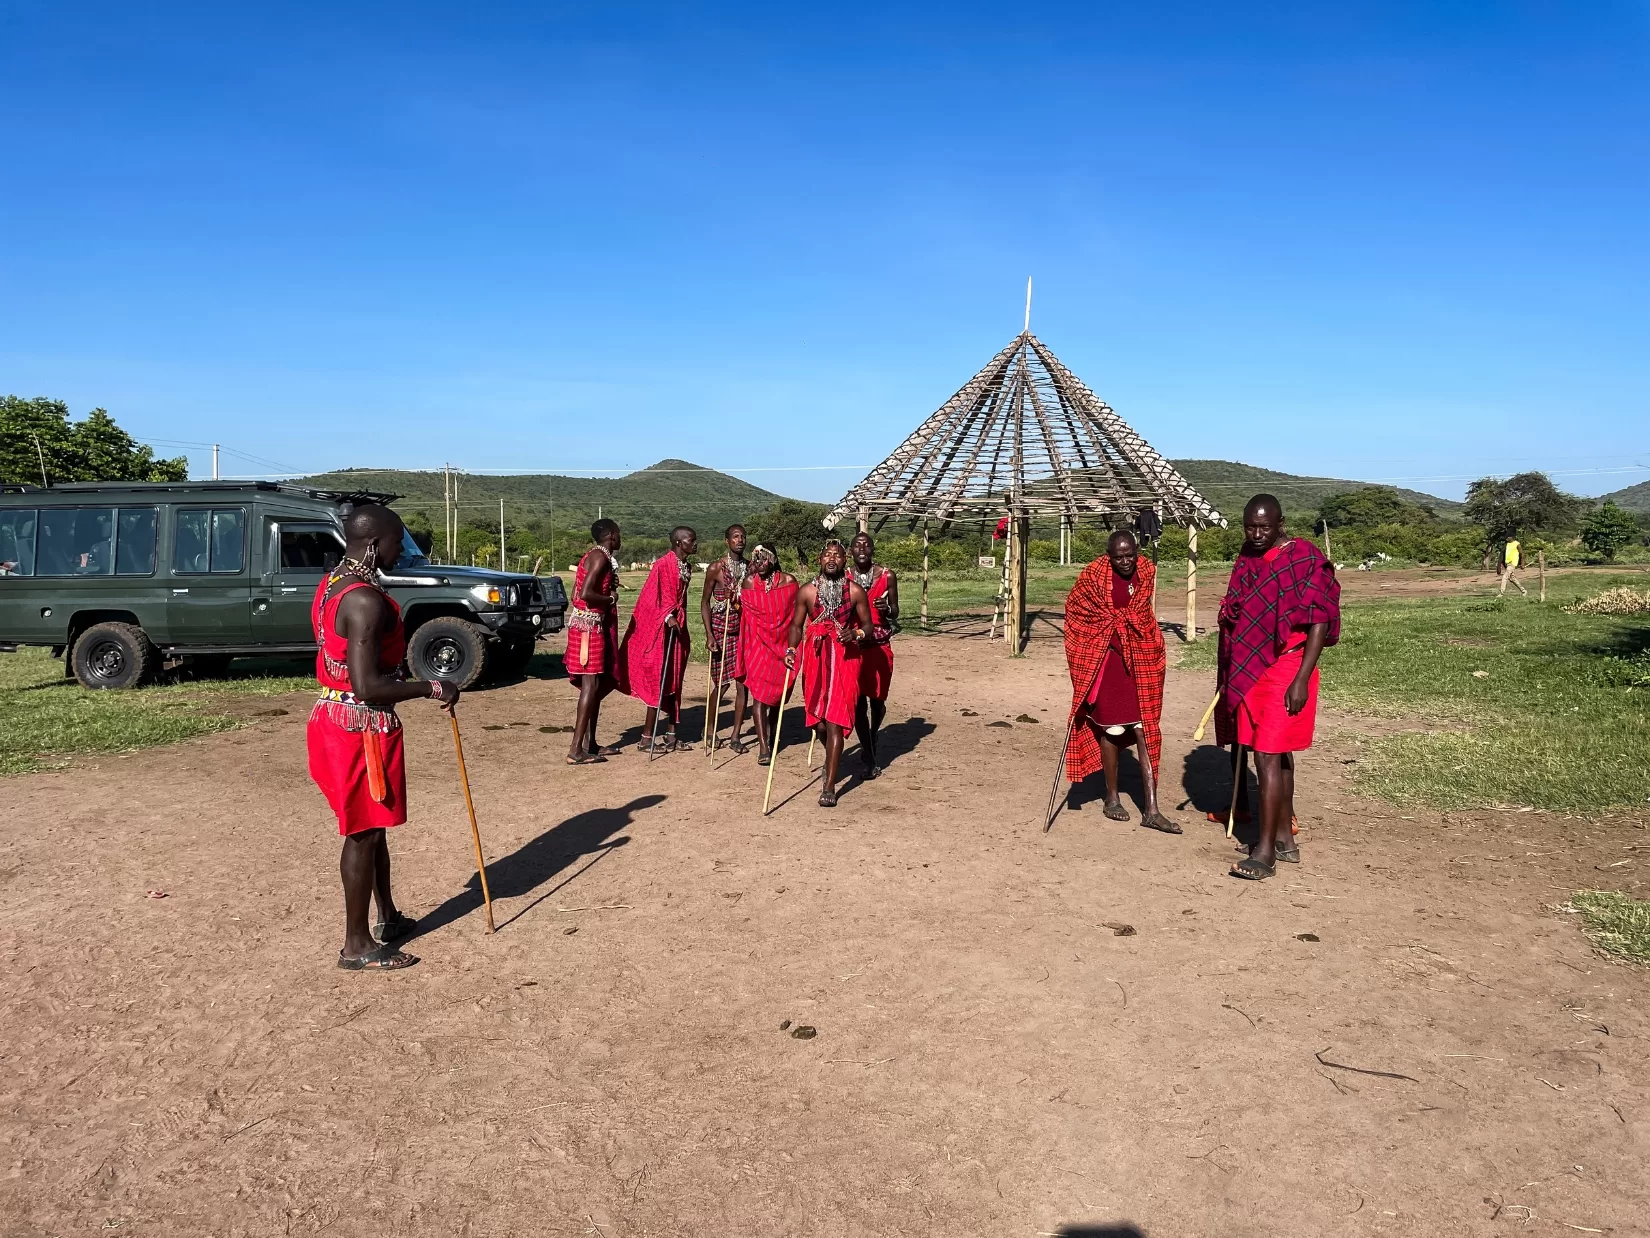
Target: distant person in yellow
(1511, 560)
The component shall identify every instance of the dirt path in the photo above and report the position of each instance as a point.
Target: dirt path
(1445, 1057)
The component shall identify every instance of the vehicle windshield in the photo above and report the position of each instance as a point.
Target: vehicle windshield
(411, 555)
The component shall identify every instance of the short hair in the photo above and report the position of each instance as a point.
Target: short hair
(1268, 501)
(679, 530)
(728, 532)
(1121, 533)
(367, 522)
(603, 526)
(865, 533)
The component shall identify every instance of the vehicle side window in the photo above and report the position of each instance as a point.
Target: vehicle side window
(17, 542)
(76, 541)
(209, 541)
(309, 550)
(135, 542)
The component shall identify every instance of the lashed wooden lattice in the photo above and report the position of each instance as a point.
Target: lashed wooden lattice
(1025, 437)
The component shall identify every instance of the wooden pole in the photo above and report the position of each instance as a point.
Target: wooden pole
(1191, 583)
(1328, 550)
(925, 573)
(1237, 790)
(727, 623)
(475, 830)
(773, 752)
(503, 563)
(1059, 776)
(864, 520)
(1019, 534)
(1541, 564)
(709, 731)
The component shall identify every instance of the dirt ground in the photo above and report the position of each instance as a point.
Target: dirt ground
(1398, 1037)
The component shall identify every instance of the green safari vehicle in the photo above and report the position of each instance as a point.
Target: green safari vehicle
(122, 578)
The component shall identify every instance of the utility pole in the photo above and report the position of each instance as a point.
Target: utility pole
(503, 565)
(214, 462)
(447, 507)
(40, 451)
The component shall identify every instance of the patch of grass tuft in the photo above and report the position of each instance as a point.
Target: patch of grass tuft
(1616, 923)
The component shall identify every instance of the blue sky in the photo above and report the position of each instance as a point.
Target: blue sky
(1368, 240)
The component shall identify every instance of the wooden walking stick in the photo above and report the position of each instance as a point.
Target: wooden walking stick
(1237, 790)
(1054, 797)
(727, 622)
(709, 731)
(773, 752)
(1197, 735)
(475, 830)
(664, 678)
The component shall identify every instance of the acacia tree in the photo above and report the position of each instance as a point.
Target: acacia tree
(1522, 504)
(1607, 529)
(37, 435)
(791, 524)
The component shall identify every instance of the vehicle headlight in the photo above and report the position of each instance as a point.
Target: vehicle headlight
(490, 595)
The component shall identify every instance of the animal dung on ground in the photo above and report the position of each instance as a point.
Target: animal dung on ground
(803, 1033)
(969, 713)
(547, 730)
(1119, 930)
(570, 930)
(1307, 937)
(497, 726)
(271, 713)
(785, 1026)
(999, 724)
(1027, 718)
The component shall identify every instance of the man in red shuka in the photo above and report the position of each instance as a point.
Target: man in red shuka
(1114, 649)
(355, 754)
(653, 657)
(1282, 607)
(832, 619)
(765, 652)
(876, 655)
(593, 639)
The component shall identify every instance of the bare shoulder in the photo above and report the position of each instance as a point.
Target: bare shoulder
(893, 577)
(361, 611)
(854, 590)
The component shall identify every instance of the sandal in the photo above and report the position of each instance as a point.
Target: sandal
(1287, 855)
(660, 746)
(738, 747)
(764, 757)
(1252, 869)
(395, 928)
(385, 958)
(827, 799)
(606, 750)
(586, 758)
(1116, 812)
(1157, 821)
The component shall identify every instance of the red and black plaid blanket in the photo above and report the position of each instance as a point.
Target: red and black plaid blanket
(1271, 598)
(1091, 623)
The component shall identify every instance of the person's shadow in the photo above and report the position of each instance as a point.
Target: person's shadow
(536, 862)
(1207, 779)
(899, 739)
(1092, 790)
(1125, 1230)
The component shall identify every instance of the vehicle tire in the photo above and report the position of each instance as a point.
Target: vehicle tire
(112, 655)
(449, 648)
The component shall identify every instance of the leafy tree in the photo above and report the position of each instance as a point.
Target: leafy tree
(1370, 507)
(39, 432)
(1525, 503)
(1607, 529)
(793, 525)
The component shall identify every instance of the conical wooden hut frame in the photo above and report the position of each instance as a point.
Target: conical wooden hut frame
(1026, 439)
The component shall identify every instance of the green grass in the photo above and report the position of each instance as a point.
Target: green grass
(1616, 923)
(1520, 703)
(45, 717)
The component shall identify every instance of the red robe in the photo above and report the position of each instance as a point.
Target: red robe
(876, 656)
(830, 666)
(1094, 624)
(642, 652)
(764, 635)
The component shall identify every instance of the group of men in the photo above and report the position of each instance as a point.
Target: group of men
(764, 629)
(1281, 609)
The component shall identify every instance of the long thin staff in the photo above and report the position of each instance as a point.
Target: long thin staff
(475, 830)
(1054, 797)
(1197, 735)
(1237, 789)
(812, 736)
(773, 752)
(727, 622)
(709, 730)
(664, 673)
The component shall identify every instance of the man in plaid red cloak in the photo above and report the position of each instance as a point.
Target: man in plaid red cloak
(1282, 607)
(1114, 649)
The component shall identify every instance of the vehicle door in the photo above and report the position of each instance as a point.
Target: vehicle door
(297, 555)
(209, 605)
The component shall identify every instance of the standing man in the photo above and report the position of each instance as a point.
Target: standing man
(1512, 558)
(834, 618)
(354, 735)
(767, 606)
(593, 639)
(653, 656)
(1282, 607)
(1115, 651)
(876, 655)
(719, 608)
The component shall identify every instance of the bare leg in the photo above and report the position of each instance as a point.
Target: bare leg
(740, 698)
(592, 745)
(1276, 774)
(584, 721)
(358, 866)
(762, 715)
(862, 728)
(1148, 778)
(1111, 749)
(381, 878)
(833, 758)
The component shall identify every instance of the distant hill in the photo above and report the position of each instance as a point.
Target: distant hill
(1229, 485)
(1633, 498)
(646, 503)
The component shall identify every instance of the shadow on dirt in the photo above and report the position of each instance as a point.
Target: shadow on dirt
(536, 862)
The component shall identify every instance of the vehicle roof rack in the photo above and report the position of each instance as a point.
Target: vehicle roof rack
(351, 497)
(17, 487)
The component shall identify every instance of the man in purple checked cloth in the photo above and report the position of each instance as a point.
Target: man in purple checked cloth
(1282, 607)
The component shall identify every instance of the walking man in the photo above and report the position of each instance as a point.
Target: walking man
(354, 735)
(593, 639)
(1115, 652)
(653, 656)
(831, 622)
(1512, 558)
(719, 608)
(767, 605)
(876, 655)
(1282, 607)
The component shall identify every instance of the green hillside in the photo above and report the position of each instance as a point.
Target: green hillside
(1633, 498)
(553, 513)
(1229, 485)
